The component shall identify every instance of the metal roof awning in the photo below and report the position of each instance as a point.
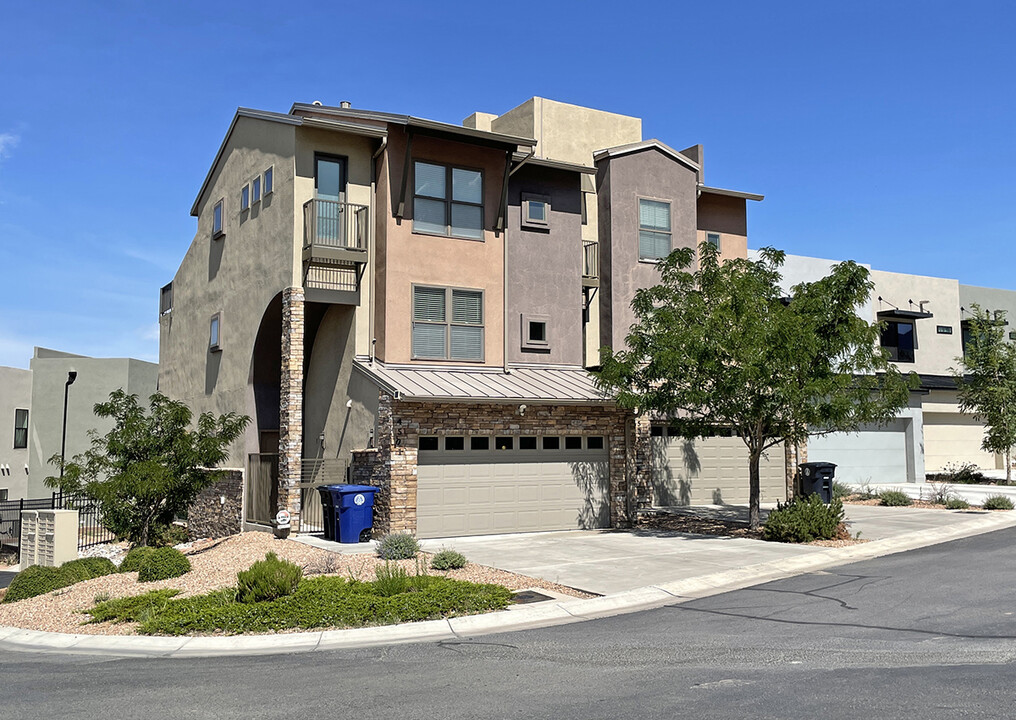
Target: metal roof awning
(564, 385)
(903, 314)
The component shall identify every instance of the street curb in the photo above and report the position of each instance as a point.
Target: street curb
(455, 629)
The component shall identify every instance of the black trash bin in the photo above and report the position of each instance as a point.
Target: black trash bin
(328, 510)
(817, 479)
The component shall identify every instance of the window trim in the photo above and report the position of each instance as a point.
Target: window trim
(245, 197)
(255, 197)
(266, 187)
(639, 228)
(448, 201)
(894, 350)
(17, 411)
(220, 206)
(166, 307)
(216, 320)
(527, 342)
(527, 219)
(448, 323)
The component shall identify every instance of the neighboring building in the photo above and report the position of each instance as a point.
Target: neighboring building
(420, 300)
(33, 400)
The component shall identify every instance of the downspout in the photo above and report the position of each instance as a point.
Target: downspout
(373, 244)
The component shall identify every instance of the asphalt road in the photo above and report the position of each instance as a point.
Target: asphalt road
(925, 634)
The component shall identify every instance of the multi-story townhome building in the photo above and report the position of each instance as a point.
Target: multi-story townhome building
(414, 304)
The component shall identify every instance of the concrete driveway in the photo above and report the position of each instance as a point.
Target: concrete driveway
(606, 561)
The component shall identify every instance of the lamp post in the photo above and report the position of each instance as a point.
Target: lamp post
(71, 377)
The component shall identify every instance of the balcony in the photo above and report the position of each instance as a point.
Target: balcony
(334, 250)
(590, 264)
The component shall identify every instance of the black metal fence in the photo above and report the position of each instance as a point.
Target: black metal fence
(90, 529)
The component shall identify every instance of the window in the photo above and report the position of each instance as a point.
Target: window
(900, 339)
(594, 442)
(527, 443)
(3, 495)
(436, 336)
(504, 443)
(20, 429)
(245, 197)
(455, 443)
(714, 240)
(217, 219)
(480, 442)
(535, 210)
(448, 201)
(1012, 335)
(215, 332)
(944, 329)
(656, 431)
(654, 229)
(573, 442)
(166, 299)
(551, 442)
(535, 333)
(255, 190)
(269, 183)
(428, 443)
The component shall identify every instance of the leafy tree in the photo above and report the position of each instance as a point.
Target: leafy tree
(987, 382)
(148, 468)
(723, 346)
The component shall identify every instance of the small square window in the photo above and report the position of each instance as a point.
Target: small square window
(454, 443)
(269, 183)
(1012, 335)
(504, 443)
(428, 443)
(573, 443)
(245, 198)
(714, 240)
(217, 218)
(535, 332)
(481, 442)
(255, 190)
(215, 332)
(594, 442)
(945, 330)
(551, 442)
(527, 443)
(535, 210)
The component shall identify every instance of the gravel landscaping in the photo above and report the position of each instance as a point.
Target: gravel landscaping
(215, 564)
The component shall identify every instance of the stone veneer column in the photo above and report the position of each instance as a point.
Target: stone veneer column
(794, 455)
(291, 403)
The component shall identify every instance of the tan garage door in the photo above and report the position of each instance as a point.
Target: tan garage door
(952, 438)
(711, 471)
(470, 492)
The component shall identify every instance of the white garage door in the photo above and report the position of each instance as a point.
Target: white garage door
(485, 491)
(952, 438)
(711, 471)
(873, 455)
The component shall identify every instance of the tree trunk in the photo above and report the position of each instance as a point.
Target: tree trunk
(1008, 465)
(754, 489)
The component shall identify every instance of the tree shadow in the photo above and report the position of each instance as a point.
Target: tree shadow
(593, 479)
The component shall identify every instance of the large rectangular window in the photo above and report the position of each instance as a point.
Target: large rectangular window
(442, 335)
(900, 339)
(654, 229)
(447, 200)
(20, 429)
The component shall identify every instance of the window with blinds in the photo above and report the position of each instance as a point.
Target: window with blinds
(442, 335)
(447, 200)
(20, 429)
(654, 229)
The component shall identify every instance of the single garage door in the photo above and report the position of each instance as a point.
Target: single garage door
(711, 471)
(872, 455)
(489, 485)
(953, 438)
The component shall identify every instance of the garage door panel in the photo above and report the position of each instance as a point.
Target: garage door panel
(951, 439)
(712, 471)
(876, 455)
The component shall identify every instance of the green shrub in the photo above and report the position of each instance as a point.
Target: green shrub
(448, 560)
(37, 580)
(131, 609)
(136, 558)
(997, 502)
(894, 498)
(964, 473)
(956, 504)
(162, 564)
(841, 490)
(169, 535)
(397, 546)
(805, 519)
(267, 579)
(391, 580)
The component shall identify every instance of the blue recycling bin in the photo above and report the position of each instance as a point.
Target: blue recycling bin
(354, 511)
(327, 510)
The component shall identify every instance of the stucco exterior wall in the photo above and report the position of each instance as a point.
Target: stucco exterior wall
(990, 299)
(411, 258)
(15, 394)
(238, 275)
(545, 267)
(799, 269)
(621, 182)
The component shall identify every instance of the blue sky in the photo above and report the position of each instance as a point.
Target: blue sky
(878, 131)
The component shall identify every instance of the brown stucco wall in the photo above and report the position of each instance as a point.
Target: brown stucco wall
(545, 267)
(621, 181)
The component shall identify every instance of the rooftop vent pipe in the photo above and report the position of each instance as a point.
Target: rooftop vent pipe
(345, 105)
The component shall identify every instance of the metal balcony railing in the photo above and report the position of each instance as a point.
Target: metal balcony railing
(335, 230)
(590, 263)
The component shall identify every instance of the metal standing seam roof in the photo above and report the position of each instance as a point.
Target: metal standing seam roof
(536, 384)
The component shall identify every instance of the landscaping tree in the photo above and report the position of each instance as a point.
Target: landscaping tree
(721, 346)
(987, 381)
(148, 468)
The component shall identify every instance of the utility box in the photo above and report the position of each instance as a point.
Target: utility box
(48, 537)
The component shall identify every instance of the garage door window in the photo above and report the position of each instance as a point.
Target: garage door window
(481, 442)
(428, 443)
(504, 443)
(454, 443)
(551, 442)
(573, 443)
(527, 443)
(594, 442)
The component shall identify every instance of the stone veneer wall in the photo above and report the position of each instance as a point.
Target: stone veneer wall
(291, 403)
(794, 456)
(217, 511)
(392, 466)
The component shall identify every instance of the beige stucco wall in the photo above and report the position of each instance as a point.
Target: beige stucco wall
(15, 394)
(731, 246)
(935, 354)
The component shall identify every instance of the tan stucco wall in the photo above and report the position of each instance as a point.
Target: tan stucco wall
(731, 246)
(935, 353)
(411, 258)
(237, 275)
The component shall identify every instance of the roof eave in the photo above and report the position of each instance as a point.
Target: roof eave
(731, 193)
